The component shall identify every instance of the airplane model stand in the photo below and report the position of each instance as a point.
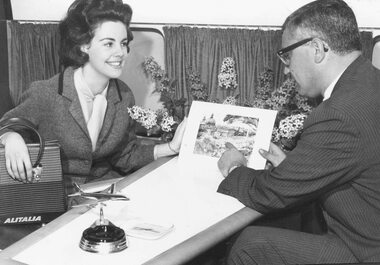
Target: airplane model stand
(103, 237)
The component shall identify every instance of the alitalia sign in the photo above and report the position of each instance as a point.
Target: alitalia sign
(23, 219)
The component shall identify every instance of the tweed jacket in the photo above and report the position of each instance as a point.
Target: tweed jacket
(59, 116)
(336, 161)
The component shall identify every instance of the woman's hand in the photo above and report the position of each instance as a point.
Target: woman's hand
(17, 157)
(230, 159)
(175, 144)
(171, 148)
(275, 154)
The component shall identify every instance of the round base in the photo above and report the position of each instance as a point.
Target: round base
(103, 239)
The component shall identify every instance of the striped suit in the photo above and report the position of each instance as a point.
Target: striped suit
(336, 161)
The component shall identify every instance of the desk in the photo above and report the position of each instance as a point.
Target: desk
(178, 254)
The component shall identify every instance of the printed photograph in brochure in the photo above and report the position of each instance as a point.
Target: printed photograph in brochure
(211, 125)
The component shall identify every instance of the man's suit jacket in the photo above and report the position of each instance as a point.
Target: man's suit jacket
(336, 161)
(59, 116)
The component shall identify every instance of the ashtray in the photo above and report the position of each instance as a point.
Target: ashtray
(148, 229)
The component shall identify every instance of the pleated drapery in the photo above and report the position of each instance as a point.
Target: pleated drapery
(5, 10)
(33, 54)
(367, 44)
(203, 49)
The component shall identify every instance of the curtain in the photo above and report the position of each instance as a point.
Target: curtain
(203, 49)
(5, 10)
(367, 44)
(33, 55)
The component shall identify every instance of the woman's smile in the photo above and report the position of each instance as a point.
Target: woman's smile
(117, 64)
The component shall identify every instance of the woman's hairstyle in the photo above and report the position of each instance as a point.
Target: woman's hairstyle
(83, 17)
(330, 20)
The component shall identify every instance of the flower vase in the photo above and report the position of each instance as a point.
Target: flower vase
(288, 144)
(167, 136)
(155, 131)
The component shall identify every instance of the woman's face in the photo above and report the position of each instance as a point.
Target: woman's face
(107, 51)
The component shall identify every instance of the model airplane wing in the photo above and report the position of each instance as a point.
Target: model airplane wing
(103, 195)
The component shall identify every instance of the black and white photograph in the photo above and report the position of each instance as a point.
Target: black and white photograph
(214, 132)
(180, 132)
(212, 126)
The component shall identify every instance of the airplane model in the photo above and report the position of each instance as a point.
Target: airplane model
(99, 196)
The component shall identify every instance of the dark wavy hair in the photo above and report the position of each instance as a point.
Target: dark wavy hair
(82, 18)
(331, 20)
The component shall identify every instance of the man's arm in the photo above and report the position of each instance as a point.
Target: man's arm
(325, 157)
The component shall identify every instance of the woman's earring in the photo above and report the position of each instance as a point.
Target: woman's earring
(84, 49)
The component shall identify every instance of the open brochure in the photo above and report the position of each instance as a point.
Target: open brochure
(211, 125)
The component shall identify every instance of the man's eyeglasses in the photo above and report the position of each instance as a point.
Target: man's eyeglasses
(283, 54)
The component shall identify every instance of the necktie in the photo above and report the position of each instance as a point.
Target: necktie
(95, 122)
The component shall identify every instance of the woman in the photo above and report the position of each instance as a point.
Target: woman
(85, 107)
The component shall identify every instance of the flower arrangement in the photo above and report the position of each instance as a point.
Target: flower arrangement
(227, 75)
(288, 131)
(155, 122)
(291, 106)
(197, 90)
(161, 122)
(230, 100)
(166, 87)
(158, 75)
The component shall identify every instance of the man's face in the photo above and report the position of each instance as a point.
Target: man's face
(300, 63)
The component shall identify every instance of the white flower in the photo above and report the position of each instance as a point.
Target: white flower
(149, 118)
(146, 117)
(227, 75)
(290, 126)
(167, 122)
(230, 100)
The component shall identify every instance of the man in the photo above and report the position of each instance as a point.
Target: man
(337, 158)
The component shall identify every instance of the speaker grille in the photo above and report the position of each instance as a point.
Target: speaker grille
(52, 168)
(22, 201)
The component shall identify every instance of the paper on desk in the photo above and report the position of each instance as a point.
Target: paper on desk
(188, 201)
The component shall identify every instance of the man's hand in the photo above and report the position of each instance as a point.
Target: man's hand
(275, 154)
(230, 159)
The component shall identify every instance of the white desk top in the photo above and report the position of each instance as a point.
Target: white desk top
(164, 196)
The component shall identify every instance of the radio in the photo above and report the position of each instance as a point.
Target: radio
(42, 200)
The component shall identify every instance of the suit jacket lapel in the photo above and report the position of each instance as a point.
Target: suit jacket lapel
(75, 108)
(112, 99)
(70, 93)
